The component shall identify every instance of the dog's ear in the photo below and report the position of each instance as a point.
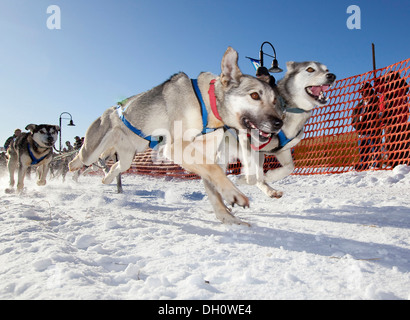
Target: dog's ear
(229, 66)
(290, 65)
(31, 127)
(57, 128)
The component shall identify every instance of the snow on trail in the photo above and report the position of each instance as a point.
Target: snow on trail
(330, 237)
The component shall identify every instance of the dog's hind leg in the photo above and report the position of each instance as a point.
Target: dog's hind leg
(98, 138)
(285, 159)
(87, 155)
(123, 164)
(75, 164)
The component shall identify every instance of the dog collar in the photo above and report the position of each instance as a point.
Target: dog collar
(285, 109)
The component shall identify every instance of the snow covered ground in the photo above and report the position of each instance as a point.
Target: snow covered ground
(330, 237)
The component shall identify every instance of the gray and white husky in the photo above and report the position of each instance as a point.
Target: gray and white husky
(173, 110)
(302, 88)
(33, 148)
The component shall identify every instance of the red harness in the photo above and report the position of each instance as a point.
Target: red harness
(212, 99)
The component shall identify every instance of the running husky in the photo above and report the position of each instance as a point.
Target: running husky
(302, 88)
(173, 109)
(34, 148)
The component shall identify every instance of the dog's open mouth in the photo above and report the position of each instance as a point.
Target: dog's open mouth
(318, 93)
(48, 143)
(256, 133)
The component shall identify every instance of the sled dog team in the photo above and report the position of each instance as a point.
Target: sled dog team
(244, 116)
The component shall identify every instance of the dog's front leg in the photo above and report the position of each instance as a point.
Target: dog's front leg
(205, 166)
(42, 172)
(222, 212)
(217, 177)
(12, 166)
(123, 164)
(21, 173)
(285, 159)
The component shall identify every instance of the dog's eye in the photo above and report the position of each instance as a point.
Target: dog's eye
(255, 96)
(310, 70)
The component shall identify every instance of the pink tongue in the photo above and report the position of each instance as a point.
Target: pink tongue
(317, 89)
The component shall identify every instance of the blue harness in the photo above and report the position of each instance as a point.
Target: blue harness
(204, 112)
(34, 160)
(153, 141)
(283, 140)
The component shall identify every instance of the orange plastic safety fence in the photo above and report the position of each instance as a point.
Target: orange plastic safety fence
(365, 125)
(145, 164)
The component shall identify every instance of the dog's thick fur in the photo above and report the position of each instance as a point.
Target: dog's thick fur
(300, 90)
(39, 141)
(172, 109)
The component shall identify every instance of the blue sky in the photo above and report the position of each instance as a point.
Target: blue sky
(108, 50)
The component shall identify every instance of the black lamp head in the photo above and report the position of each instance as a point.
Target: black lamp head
(274, 68)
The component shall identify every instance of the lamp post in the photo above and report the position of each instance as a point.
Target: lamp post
(70, 124)
(274, 67)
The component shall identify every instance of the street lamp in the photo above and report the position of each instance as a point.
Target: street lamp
(274, 67)
(70, 124)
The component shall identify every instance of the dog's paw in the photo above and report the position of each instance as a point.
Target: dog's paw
(269, 191)
(234, 196)
(226, 217)
(10, 190)
(75, 164)
(274, 194)
(108, 179)
(41, 182)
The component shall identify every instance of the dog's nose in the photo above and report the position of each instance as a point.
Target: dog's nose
(276, 123)
(331, 77)
(50, 139)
